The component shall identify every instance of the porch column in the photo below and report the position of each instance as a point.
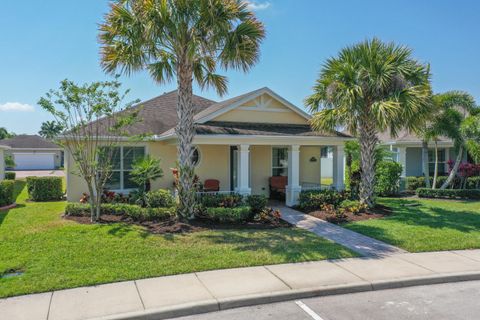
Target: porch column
(293, 188)
(243, 170)
(402, 159)
(339, 167)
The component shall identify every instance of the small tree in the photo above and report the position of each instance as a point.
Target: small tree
(4, 134)
(144, 171)
(471, 132)
(94, 126)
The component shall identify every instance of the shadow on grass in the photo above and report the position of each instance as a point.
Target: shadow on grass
(19, 185)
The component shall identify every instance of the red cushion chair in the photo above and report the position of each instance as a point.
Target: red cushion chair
(211, 185)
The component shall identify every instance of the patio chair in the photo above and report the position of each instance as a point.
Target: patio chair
(277, 186)
(211, 185)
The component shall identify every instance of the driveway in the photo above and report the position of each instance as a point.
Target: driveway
(20, 174)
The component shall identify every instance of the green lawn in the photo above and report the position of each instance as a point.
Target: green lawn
(432, 225)
(55, 253)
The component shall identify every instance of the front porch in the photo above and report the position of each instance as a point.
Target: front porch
(251, 165)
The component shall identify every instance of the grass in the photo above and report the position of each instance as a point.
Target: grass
(56, 253)
(426, 225)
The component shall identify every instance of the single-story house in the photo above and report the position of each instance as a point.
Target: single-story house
(406, 149)
(2, 161)
(241, 142)
(32, 152)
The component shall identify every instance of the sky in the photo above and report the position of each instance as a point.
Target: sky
(44, 42)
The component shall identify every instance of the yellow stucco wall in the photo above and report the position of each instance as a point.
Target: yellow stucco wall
(309, 171)
(260, 169)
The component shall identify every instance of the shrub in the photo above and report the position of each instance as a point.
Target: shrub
(159, 199)
(387, 178)
(257, 203)
(10, 175)
(237, 214)
(353, 206)
(134, 212)
(44, 188)
(449, 193)
(314, 199)
(7, 193)
(413, 183)
(269, 215)
(473, 183)
(221, 200)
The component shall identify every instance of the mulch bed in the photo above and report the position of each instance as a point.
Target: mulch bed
(175, 226)
(377, 212)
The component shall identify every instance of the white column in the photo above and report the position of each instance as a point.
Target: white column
(402, 159)
(293, 188)
(339, 167)
(243, 169)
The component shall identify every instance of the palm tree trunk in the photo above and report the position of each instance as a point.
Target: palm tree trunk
(185, 133)
(426, 170)
(435, 172)
(368, 143)
(453, 173)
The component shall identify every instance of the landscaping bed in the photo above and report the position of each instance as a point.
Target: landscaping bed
(377, 212)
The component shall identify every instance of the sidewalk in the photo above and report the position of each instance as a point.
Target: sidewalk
(365, 246)
(173, 296)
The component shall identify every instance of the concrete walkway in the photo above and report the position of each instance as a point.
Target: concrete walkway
(364, 245)
(174, 296)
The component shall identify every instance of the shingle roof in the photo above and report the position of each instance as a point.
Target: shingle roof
(268, 129)
(402, 136)
(159, 114)
(25, 141)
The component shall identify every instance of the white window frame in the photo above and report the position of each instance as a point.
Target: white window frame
(440, 163)
(277, 167)
(122, 170)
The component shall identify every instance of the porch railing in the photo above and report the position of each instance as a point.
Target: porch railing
(306, 186)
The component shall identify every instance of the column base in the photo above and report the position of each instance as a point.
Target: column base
(292, 194)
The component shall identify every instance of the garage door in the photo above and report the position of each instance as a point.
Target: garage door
(34, 161)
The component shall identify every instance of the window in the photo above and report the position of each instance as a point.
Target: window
(441, 161)
(195, 157)
(123, 159)
(279, 161)
(392, 153)
(326, 152)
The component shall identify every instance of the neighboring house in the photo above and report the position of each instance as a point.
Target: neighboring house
(241, 142)
(406, 149)
(32, 152)
(2, 161)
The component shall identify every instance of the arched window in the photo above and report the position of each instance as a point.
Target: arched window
(196, 157)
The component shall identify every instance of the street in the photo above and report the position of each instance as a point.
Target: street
(445, 301)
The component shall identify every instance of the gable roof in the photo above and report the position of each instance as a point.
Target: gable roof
(217, 109)
(25, 141)
(403, 136)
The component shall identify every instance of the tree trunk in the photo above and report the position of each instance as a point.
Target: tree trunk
(426, 170)
(368, 143)
(435, 172)
(91, 201)
(453, 173)
(185, 131)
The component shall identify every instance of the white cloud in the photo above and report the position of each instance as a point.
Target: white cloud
(256, 6)
(16, 106)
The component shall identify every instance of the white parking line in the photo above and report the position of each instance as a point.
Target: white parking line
(308, 311)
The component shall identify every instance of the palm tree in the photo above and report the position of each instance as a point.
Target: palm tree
(4, 134)
(457, 106)
(369, 88)
(50, 129)
(145, 170)
(186, 39)
(471, 131)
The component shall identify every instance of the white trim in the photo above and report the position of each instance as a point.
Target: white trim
(252, 96)
(35, 149)
(23, 153)
(263, 110)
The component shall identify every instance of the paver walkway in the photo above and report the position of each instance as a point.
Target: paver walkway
(364, 245)
(20, 174)
(174, 296)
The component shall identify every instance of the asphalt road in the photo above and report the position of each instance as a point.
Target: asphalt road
(445, 301)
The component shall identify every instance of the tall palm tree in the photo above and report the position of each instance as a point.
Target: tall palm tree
(369, 88)
(457, 106)
(50, 129)
(186, 39)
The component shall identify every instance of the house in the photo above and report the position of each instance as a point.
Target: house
(32, 152)
(2, 161)
(241, 142)
(406, 149)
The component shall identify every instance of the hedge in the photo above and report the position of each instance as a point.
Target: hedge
(387, 176)
(314, 199)
(159, 199)
(237, 214)
(257, 202)
(10, 175)
(7, 193)
(132, 211)
(449, 193)
(44, 188)
(413, 183)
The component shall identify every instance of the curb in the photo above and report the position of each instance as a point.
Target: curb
(280, 296)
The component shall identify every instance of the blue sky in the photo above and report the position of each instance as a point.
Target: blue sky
(43, 42)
